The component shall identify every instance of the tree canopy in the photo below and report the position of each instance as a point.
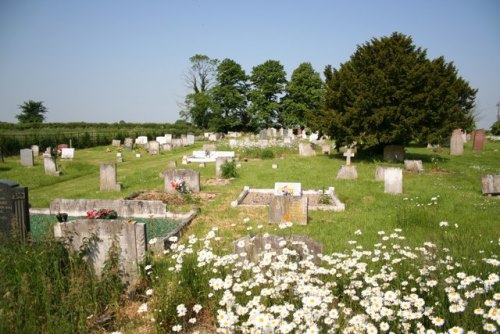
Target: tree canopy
(32, 112)
(389, 92)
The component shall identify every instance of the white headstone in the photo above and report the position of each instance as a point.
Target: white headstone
(168, 137)
(393, 180)
(141, 140)
(27, 157)
(288, 188)
(67, 153)
(162, 140)
(348, 154)
(190, 139)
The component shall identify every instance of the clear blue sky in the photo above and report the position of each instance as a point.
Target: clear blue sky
(106, 61)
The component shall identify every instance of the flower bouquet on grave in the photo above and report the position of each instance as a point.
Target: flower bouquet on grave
(179, 185)
(286, 190)
(101, 214)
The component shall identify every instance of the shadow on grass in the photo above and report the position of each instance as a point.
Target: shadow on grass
(4, 169)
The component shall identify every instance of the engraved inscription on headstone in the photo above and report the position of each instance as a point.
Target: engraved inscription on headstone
(288, 209)
(14, 210)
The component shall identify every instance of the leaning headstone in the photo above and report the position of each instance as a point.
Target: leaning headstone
(189, 176)
(154, 148)
(50, 165)
(36, 150)
(251, 248)
(128, 143)
(288, 209)
(14, 210)
(26, 157)
(116, 142)
(478, 140)
(414, 166)
(67, 153)
(456, 142)
(306, 150)
(394, 153)
(490, 184)
(128, 237)
(108, 178)
(393, 180)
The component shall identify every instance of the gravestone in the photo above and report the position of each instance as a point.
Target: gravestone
(189, 176)
(36, 150)
(347, 171)
(176, 143)
(326, 149)
(108, 178)
(287, 140)
(456, 142)
(60, 147)
(166, 147)
(478, 140)
(67, 153)
(414, 166)
(168, 138)
(154, 147)
(190, 139)
(119, 157)
(128, 143)
(393, 180)
(209, 147)
(129, 237)
(50, 165)
(116, 142)
(287, 189)
(274, 166)
(263, 134)
(161, 140)
(288, 209)
(26, 157)
(379, 173)
(218, 166)
(306, 150)
(141, 140)
(250, 248)
(490, 184)
(138, 155)
(14, 210)
(394, 153)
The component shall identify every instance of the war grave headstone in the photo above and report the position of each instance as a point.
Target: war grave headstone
(36, 150)
(307, 150)
(67, 153)
(154, 147)
(128, 143)
(250, 248)
(414, 166)
(129, 237)
(116, 142)
(176, 177)
(490, 184)
(478, 140)
(393, 180)
(50, 165)
(108, 178)
(14, 210)
(348, 171)
(394, 153)
(457, 142)
(26, 157)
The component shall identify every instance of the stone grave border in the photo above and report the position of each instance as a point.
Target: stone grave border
(336, 206)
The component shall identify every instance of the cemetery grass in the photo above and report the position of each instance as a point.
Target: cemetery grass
(449, 191)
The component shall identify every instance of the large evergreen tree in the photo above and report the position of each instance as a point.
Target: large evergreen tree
(302, 96)
(229, 97)
(390, 92)
(32, 112)
(268, 81)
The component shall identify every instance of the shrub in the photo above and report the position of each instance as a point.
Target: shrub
(228, 169)
(495, 129)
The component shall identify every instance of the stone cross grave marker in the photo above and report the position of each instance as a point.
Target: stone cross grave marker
(26, 157)
(287, 189)
(108, 178)
(14, 210)
(348, 154)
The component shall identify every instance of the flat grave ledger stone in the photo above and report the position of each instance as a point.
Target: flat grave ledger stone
(394, 153)
(478, 140)
(14, 210)
(306, 150)
(457, 142)
(26, 157)
(414, 166)
(36, 150)
(141, 140)
(116, 142)
(154, 147)
(108, 178)
(50, 165)
(174, 177)
(393, 180)
(288, 209)
(67, 153)
(490, 184)
(129, 237)
(128, 143)
(287, 189)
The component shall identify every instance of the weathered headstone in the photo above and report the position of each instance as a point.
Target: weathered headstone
(456, 142)
(50, 165)
(414, 166)
(108, 178)
(393, 180)
(478, 140)
(141, 140)
(379, 173)
(128, 143)
(176, 142)
(394, 153)
(129, 237)
(154, 147)
(348, 154)
(490, 184)
(189, 176)
(14, 210)
(166, 147)
(26, 157)
(116, 142)
(190, 139)
(67, 153)
(218, 166)
(287, 189)
(288, 209)
(36, 150)
(307, 150)
(263, 134)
